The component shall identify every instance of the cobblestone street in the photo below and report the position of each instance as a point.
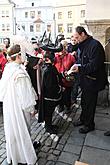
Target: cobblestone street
(68, 145)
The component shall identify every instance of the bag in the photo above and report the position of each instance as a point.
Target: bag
(68, 81)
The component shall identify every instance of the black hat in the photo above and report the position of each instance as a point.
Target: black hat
(51, 48)
(47, 44)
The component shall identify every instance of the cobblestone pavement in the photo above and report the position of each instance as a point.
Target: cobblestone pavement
(68, 145)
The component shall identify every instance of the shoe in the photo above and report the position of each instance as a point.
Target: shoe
(74, 106)
(107, 133)
(36, 145)
(68, 110)
(77, 123)
(55, 127)
(61, 108)
(86, 129)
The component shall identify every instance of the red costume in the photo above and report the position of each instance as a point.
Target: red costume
(3, 61)
(63, 62)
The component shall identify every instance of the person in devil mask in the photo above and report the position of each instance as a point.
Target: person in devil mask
(51, 92)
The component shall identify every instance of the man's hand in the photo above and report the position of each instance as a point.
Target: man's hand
(75, 69)
(33, 113)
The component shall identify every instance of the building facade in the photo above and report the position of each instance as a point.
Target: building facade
(35, 17)
(7, 23)
(68, 15)
(98, 19)
(98, 23)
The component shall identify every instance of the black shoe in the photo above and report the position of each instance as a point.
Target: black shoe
(55, 127)
(68, 110)
(107, 133)
(61, 108)
(77, 123)
(36, 145)
(86, 129)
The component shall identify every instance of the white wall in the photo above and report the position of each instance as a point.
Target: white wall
(98, 9)
(69, 2)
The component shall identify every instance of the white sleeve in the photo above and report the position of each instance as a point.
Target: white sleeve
(25, 92)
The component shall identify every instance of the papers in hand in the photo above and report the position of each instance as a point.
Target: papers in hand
(72, 69)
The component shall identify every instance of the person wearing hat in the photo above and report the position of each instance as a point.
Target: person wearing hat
(51, 92)
(3, 61)
(18, 97)
(63, 62)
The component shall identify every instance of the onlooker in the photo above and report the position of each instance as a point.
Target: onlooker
(72, 45)
(18, 97)
(63, 62)
(6, 41)
(3, 61)
(92, 77)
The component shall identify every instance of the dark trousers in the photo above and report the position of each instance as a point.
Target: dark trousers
(88, 105)
(66, 97)
(1, 107)
(49, 107)
(74, 90)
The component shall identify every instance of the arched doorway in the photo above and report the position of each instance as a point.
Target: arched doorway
(107, 47)
(107, 35)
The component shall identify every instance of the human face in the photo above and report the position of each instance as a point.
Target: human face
(73, 40)
(79, 37)
(19, 59)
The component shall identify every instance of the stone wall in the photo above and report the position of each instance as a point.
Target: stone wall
(98, 29)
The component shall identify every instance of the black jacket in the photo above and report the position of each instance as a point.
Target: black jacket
(92, 71)
(51, 83)
(50, 88)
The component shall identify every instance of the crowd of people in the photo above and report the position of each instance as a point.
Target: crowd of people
(50, 78)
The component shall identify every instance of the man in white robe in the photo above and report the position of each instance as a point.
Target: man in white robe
(18, 97)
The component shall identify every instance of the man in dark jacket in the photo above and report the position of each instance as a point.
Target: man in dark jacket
(92, 77)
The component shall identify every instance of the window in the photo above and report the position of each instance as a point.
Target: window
(54, 16)
(31, 28)
(69, 14)
(26, 14)
(59, 15)
(32, 14)
(48, 28)
(60, 28)
(23, 26)
(8, 27)
(39, 14)
(38, 27)
(82, 13)
(3, 27)
(7, 13)
(3, 13)
(69, 28)
(33, 4)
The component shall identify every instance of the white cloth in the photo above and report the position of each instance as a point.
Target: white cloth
(18, 98)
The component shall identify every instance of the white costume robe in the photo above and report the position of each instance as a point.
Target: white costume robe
(18, 98)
